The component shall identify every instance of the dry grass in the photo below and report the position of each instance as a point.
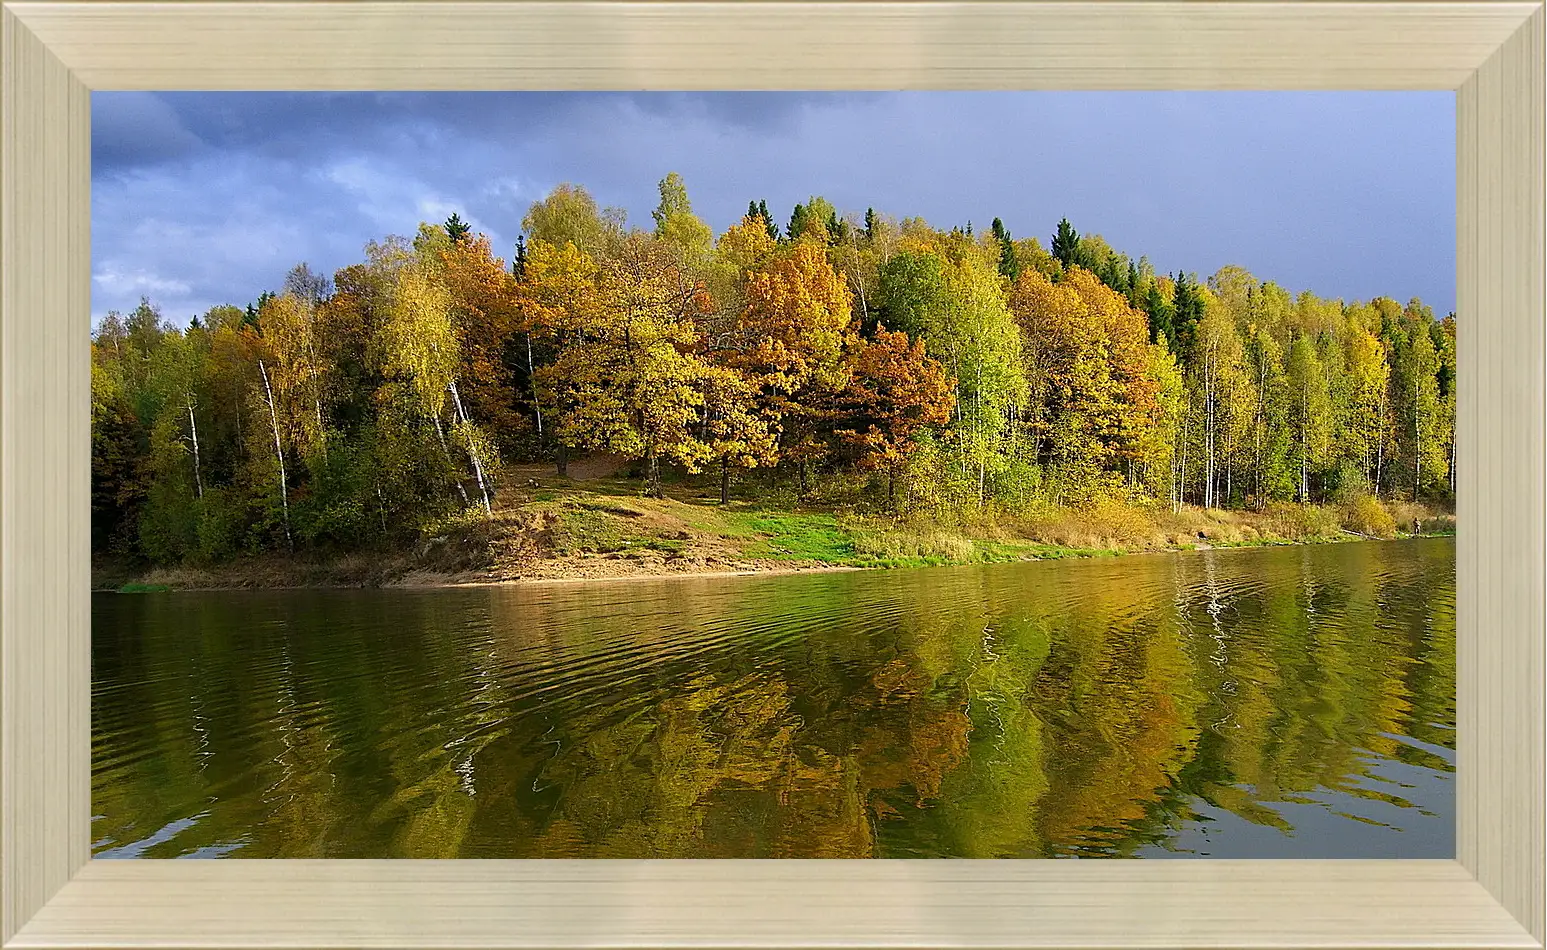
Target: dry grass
(1418, 518)
(894, 546)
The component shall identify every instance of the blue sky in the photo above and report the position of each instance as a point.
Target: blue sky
(207, 198)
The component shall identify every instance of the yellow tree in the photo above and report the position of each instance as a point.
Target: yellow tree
(734, 428)
(627, 380)
(1369, 374)
(485, 315)
(1310, 413)
(1093, 399)
(557, 296)
(1222, 385)
(420, 348)
(1156, 451)
(295, 368)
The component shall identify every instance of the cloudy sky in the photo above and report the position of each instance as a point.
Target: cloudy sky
(207, 198)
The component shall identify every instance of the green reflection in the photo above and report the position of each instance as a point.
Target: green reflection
(1290, 701)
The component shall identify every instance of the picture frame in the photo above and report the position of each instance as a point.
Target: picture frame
(1494, 894)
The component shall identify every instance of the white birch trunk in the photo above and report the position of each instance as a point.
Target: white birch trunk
(279, 454)
(440, 433)
(1417, 440)
(531, 375)
(1380, 440)
(472, 448)
(193, 429)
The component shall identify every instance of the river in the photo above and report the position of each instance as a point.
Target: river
(1269, 702)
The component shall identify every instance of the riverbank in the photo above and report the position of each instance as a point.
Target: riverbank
(600, 528)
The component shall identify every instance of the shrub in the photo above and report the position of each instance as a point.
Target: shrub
(1363, 514)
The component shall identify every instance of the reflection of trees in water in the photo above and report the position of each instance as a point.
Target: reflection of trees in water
(1010, 711)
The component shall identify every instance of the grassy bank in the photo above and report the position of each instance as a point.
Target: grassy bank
(600, 527)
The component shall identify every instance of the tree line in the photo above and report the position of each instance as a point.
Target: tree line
(948, 370)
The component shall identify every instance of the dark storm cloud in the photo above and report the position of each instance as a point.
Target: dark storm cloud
(136, 128)
(207, 198)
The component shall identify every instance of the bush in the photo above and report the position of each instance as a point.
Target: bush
(222, 525)
(1363, 514)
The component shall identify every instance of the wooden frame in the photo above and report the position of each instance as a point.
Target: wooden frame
(51, 895)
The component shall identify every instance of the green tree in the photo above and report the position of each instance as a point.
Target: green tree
(1272, 472)
(1310, 413)
(456, 228)
(1009, 262)
(1066, 245)
(679, 227)
(1419, 410)
(569, 215)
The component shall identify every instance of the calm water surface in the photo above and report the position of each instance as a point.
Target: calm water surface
(1283, 702)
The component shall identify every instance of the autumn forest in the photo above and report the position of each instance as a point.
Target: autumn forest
(932, 373)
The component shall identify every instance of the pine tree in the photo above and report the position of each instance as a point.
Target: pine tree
(1066, 244)
(1162, 317)
(1009, 261)
(1186, 311)
(773, 229)
(797, 222)
(456, 228)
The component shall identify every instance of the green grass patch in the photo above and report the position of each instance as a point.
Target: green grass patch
(135, 587)
(784, 536)
(664, 545)
(584, 529)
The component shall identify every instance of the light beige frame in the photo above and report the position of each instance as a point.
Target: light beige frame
(51, 895)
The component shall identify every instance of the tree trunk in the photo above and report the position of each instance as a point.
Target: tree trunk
(1181, 466)
(800, 473)
(1380, 440)
(531, 376)
(652, 474)
(1208, 409)
(1305, 488)
(1417, 441)
(279, 453)
(1258, 425)
(891, 488)
(563, 460)
(322, 438)
(725, 481)
(440, 433)
(472, 449)
(193, 428)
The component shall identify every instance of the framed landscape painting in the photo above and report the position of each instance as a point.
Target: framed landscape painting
(748, 534)
(1007, 462)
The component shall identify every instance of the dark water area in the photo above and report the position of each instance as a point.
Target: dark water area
(1273, 702)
